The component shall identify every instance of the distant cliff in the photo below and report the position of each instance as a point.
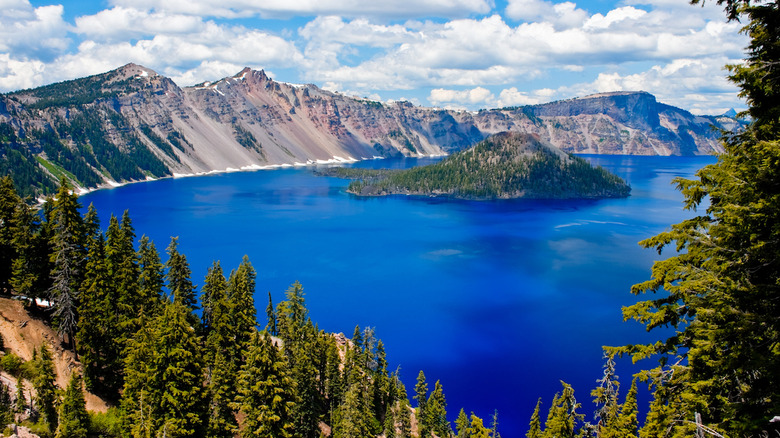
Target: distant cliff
(504, 166)
(132, 124)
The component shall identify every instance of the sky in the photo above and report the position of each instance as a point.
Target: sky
(459, 54)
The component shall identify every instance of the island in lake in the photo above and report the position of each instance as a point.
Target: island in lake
(507, 165)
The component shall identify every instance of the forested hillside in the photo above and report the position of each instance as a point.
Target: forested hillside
(504, 166)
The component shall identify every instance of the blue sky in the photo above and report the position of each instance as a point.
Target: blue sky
(466, 54)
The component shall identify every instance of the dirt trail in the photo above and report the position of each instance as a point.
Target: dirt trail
(22, 333)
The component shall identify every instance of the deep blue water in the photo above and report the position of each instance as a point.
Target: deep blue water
(498, 300)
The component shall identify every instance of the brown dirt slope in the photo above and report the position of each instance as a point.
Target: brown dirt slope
(22, 333)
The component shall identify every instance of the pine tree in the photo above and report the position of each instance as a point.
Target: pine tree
(462, 425)
(96, 337)
(45, 387)
(719, 293)
(242, 313)
(563, 417)
(73, 417)
(178, 369)
(26, 272)
(436, 411)
(271, 314)
(20, 403)
(9, 200)
(6, 405)
(477, 428)
(222, 354)
(627, 424)
(266, 392)
(606, 399)
(151, 280)
(535, 426)
(125, 273)
(67, 258)
(179, 277)
(421, 395)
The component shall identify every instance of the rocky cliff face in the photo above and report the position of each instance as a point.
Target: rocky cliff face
(131, 124)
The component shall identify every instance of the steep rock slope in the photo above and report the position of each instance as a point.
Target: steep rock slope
(132, 124)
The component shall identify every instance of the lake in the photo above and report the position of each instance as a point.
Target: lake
(498, 300)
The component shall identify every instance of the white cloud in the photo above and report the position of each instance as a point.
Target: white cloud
(474, 96)
(27, 32)
(287, 8)
(128, 23)
(697, 85)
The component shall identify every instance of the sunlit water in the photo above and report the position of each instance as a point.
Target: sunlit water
(498, 300)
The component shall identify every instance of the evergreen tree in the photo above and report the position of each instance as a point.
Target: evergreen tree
(20, 403)
(151, 280)
(627, 424)
(67, 258)
(164, 393)
(178, 369)
(300, 339)
(719, 294)
(606, 399)
(535, 426)
(45, 387)
(6, 405)
(271, 314)
(436, 412)
(477, 428)
(421, 395)
(352, 418)
(9, 200)
(222, 354)
(242, 313)
(96, 335)
(73, 417)
(179, 277)
(462, 425)
(563, 417)
(26, 270)
(266, 392)
(125, 273)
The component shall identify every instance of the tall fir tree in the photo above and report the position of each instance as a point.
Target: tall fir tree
(26, 269)
(720, 293)
(462, 425)
(179, 277)
(221, 354)
(563, 417)
(46, 387)
(9, 200)
(151, 280)
(68, 258)
(535, 425)
(436, 412)
(73, 417)
(266, 392)
(421, 395)
(606, 399)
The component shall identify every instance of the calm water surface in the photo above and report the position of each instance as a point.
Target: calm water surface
(498, 300)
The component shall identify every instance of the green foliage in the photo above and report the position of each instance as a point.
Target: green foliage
(179, 277)
(535, 426)
(562, 419)
(45, 387)
(105, 424)
(12, 364)
(73, 417)
(436, 412)
(507, 165)
(266, 391)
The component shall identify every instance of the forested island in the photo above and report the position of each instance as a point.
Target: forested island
(504, 166)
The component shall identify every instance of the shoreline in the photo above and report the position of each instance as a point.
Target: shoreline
(111, 184)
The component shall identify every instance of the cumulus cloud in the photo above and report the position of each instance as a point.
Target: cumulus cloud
(27, 32)
(698, 85)
(454, 98)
